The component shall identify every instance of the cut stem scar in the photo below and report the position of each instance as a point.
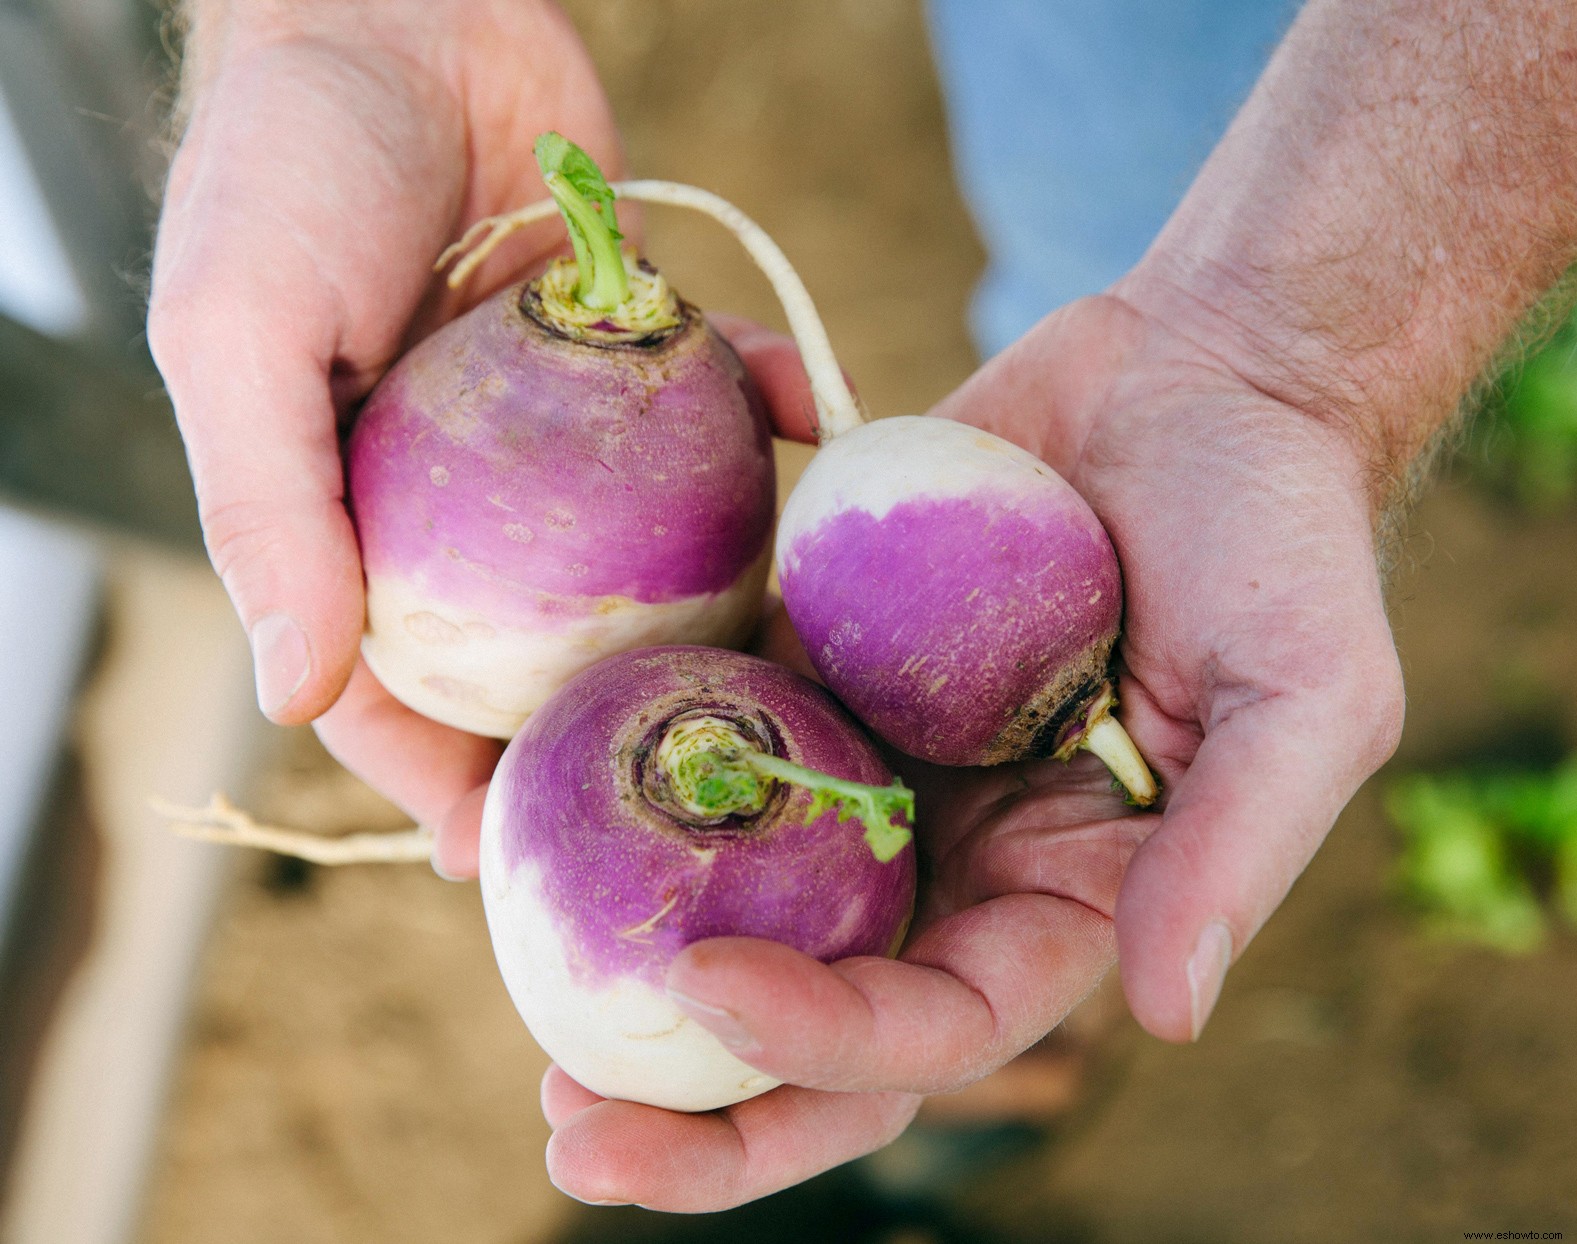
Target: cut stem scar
(651, 308)
(702, 782)
(837, 409)
(222, 822)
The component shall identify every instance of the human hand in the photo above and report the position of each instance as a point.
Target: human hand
(1260, 676)
(1261, 682)
(328, 159)
(332, 151)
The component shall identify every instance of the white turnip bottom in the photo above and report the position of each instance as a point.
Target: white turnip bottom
(617, 1035)
(460, 668)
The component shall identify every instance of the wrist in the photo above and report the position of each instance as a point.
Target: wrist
(1391, 200)
(1381, 411)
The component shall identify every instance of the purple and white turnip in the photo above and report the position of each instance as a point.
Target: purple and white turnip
(640, 810)
(577, 466)
(661, 797)
(999, 644)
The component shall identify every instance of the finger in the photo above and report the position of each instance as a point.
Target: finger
(972, 991)
(457, 838)
(774, 364)
(563, 1096)
(1240, 825)
(621, 1152)
(255, 411)
(434, 772)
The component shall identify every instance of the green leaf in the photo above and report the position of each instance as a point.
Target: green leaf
(1457, 862)
(557, 155)
(878, 808)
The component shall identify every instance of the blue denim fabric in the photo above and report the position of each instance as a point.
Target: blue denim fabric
(1076, 128)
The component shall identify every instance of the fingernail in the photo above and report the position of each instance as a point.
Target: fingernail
(722, 1024)
(444, 873)
(586, 1200)
(1207, 970)
(281, 660)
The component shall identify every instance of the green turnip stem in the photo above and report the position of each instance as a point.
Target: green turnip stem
(223, 822)
(602, 285)
(837, 409)
(714, 769)
(586, 204)
(876, 807)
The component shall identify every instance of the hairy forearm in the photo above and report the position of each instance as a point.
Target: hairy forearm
(1398, 191)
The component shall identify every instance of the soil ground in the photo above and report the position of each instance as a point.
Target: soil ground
(355, 1072)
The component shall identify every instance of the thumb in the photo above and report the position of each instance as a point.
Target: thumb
(773, 362)
(255, 411)
(1256, 802)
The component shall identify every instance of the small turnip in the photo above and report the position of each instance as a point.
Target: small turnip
(999, 646)
(577, 466)
(661, 797)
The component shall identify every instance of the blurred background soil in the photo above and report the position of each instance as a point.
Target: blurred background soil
(355, 1072)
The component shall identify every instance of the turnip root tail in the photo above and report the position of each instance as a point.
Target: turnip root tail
(1099, 732)
(837, 409)
(222, 822)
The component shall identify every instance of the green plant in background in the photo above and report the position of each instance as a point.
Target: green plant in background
(1526, 439)
(1486, 855)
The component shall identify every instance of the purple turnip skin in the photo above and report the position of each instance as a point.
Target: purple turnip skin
(592, 883)
(527, 504)
(954, 591)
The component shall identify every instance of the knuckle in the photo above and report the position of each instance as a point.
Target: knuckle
(180, 319)
(167, 328)
(238, 534)
(1382, 704)
(1392, 711)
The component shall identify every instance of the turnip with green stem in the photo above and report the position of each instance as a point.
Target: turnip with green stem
(663, 797)
(660, 798)
(577, 466)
